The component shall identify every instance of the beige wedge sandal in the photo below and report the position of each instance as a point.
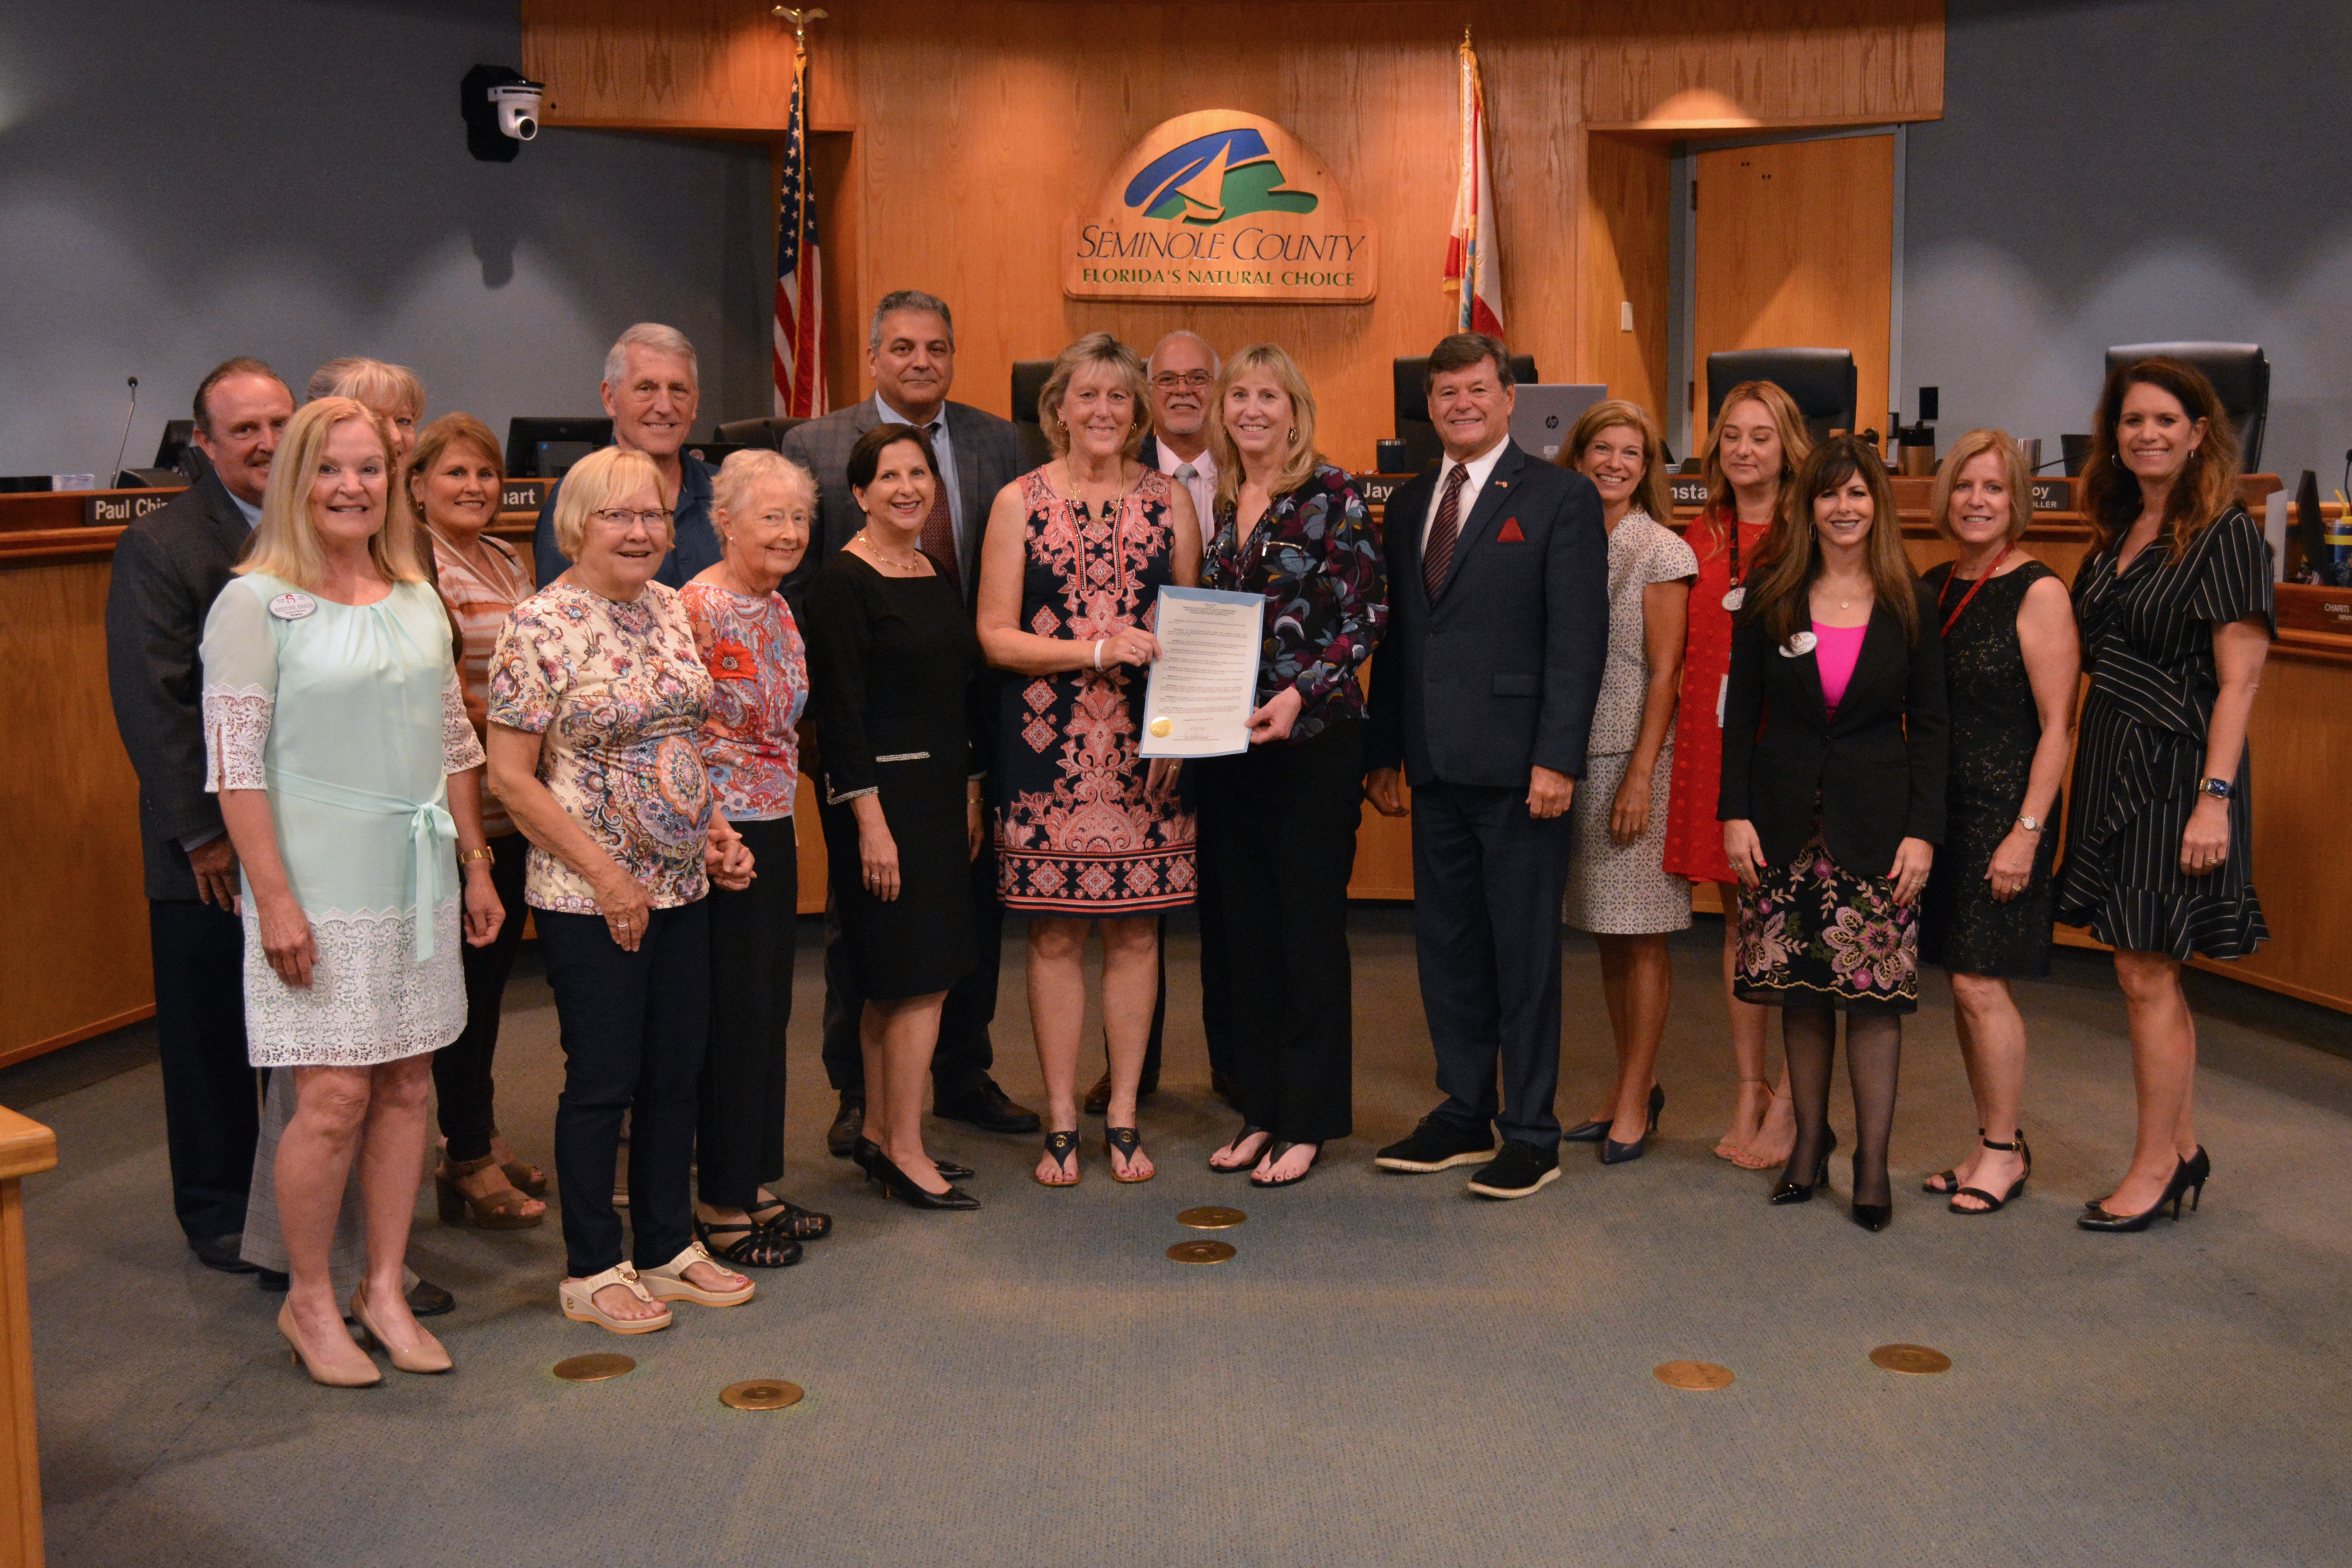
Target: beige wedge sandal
(669, 1283)
(578, 1299)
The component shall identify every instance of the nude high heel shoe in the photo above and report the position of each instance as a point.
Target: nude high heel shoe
(428, 1357)
(356, 1370)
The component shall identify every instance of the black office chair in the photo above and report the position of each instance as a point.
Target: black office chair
(2240, 372)
(1414, 433)
(1029, 377)
(1822, 382)
(768, 433)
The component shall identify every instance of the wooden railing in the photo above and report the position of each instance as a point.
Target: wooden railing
(26, 1149)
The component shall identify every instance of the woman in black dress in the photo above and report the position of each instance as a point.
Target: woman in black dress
(2010, 663)
(892, 658)
(2176, 610)
(1833, 801)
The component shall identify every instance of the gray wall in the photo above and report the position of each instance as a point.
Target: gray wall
(289, 178)
(2128, 172)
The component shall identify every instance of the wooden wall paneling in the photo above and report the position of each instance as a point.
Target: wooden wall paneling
(1715, 65)
(1622, 244)
(1793, 247)
(73, 943)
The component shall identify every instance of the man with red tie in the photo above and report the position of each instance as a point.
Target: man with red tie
(1482, 698)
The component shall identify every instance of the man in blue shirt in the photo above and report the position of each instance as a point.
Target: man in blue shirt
(652, 388)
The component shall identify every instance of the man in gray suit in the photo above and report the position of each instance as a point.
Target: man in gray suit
(910, 353)
(169, 566)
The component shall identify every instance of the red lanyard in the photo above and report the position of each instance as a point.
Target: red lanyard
(1961, 608)
(1734, 521)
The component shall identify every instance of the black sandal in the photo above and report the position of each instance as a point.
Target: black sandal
(1994, 1204)
(760, 1249)
(1949, 1180)
(1276, 1155)
(1063, 1148)
(1238, 1139)
(793, 1222)
(1126, 1144)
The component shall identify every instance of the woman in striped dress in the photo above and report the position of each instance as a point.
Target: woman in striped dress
(2175, 607)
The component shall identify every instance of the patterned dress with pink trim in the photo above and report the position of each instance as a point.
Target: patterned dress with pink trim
(1076, 835)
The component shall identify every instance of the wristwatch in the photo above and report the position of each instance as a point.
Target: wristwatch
(2030, 825)
(2220, 789)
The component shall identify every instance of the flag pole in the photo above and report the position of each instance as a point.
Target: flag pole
(798, 331)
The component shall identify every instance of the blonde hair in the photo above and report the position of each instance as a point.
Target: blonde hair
(745, 470)
(2013, 473)
(1651, 495)
(1299, 464)
(380, 385)
(286, 541)
(1095, 348)
(595, 482)
(1796, 442)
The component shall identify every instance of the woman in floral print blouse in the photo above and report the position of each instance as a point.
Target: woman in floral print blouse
(1278, 823)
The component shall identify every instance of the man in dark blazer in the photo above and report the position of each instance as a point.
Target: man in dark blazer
(1482, 698)
(169, 566)
(652, 388)
(910, 353)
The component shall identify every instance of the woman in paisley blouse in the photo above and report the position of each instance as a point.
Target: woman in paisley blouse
(596, 698)
(1086, 832)
(1278, 822)
(762, 505)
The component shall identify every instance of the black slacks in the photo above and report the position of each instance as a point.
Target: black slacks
(741, 1137)
(1487, 880)
(961, 1062)
(212, 1110)
(1278, 837)
(635, 1027)
(462, 1083)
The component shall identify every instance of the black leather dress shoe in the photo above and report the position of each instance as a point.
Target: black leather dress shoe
(427, 1300)
(272, 1281)
(221, 1252)
(847, 1123)
(989, 1109)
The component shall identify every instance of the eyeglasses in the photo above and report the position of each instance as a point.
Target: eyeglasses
(1194, 381)
(622, 518)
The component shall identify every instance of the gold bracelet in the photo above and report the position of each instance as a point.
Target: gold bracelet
(469, 856)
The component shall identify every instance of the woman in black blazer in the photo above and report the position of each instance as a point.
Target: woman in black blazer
(1832, 800)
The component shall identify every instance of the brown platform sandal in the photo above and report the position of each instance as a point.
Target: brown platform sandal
(502, 1210)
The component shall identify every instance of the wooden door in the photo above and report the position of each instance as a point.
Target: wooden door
(1793, 247)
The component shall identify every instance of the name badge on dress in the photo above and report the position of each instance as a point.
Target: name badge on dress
(292, 606)
(1798, 647)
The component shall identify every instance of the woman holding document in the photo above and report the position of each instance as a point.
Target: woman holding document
(1279, 821)
(1086, 831)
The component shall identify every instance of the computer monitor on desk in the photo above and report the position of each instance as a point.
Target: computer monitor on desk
(540, 448)
(1545, 414)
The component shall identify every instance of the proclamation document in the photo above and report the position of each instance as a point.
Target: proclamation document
(1205, 683)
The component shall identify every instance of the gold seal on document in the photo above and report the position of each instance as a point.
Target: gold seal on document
(1162, 725)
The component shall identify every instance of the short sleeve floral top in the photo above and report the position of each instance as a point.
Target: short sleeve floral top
(621, 694)
(759, 673)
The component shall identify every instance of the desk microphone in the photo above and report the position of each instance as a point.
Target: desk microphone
(125, 445)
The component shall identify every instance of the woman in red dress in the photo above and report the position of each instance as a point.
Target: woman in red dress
(1757, 443)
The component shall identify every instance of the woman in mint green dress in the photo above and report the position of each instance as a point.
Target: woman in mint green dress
(349, 780)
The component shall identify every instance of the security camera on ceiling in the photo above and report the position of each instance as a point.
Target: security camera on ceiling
(501, 108)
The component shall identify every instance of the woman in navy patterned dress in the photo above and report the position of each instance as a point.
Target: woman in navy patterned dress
(1086, 832)
(1278, 822)
(2176, 610)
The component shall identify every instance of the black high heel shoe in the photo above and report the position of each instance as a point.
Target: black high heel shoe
(1872, 1218)
(2186, 1174)
(1789, 1192)
(1598, 1132)
(902, 1186)
(865, 1152)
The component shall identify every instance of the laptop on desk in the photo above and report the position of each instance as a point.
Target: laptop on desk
(1545, 412)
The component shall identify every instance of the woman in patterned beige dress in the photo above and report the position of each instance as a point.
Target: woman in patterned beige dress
(1086, 832)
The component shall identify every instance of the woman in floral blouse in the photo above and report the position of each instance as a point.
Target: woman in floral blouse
(762, 505)
(1278, 823)
(596, 698)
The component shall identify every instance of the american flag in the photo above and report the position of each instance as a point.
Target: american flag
(800, 317)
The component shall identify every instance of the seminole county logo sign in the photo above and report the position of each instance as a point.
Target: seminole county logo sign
(1221, 206)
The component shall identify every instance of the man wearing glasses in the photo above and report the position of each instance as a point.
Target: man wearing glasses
(1183, 369)
(652, 388)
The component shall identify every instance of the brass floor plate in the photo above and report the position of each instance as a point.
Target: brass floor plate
(1916, 1360)
(595, 1368)
(759, 1393)
(1201, 1251)
(1211, 1217)
(1698, 1377)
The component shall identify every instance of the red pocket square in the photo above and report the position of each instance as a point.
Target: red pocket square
(1510, 533)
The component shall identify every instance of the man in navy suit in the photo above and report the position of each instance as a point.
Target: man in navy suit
(1482, 698)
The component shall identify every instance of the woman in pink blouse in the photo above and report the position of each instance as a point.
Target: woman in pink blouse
(762, 505)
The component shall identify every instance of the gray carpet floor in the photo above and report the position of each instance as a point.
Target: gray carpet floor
(1389, 1372)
